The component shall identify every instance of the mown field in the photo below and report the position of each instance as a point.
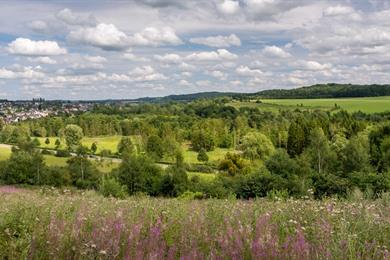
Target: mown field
(111, 142)
(366, 105)
(104, 166)
(63, 224)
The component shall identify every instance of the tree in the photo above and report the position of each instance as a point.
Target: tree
(47, 141)
(125, 146)
(202, 139)
(233, 164)
(139, 174)
(23, 168)
(83, 173)
(93, 148)
(319, 149)
(73, 136)
(202, 156)
(58, 143)
(355, 155)
(256, 146)
(154, 147)
(385, 148)
(40, 132)
(298, 134)
(175, 180)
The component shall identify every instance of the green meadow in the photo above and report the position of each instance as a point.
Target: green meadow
(104, 166)
(367, 104)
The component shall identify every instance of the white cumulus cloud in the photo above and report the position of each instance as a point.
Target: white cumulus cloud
(104, 36)
(218, 41)
(276, 52)
(152, 36)
(220, 54)
(24, 46)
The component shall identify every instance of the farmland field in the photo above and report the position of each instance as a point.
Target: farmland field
(367, 104)
(42, 223)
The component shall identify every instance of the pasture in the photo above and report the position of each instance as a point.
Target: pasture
(367, 104)
(104, 166)
(69, 224)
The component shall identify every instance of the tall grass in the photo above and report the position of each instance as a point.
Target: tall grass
(55, 224)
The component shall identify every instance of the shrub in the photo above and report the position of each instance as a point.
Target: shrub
(63, 153)
(189, 195)
(110, 187)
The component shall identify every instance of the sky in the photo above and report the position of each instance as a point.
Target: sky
(135, 48)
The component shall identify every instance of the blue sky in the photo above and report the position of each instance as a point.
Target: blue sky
(130, 49)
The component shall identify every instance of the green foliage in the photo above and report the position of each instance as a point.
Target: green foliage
(83, 173)
(125, 146)
(256, 146)
(233, 164)
(201, 139)
(202, 156)
(189, 195)
(56, 176)
(298, 133)
(139, 174)
(23, 167)
(355, 155)
(110, 187)
(154, 147)
(73, 136)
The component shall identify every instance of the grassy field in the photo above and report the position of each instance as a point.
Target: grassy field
(106, 166)
(203, 176)
(67, 224)
(104, 142)
(111, 143)
(366, 105)
(216, 155)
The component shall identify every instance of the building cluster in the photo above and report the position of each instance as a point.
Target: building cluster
(17, 111)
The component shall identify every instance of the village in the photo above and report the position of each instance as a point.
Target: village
(17, 111)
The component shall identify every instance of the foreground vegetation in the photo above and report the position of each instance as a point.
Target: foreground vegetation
(64, 224)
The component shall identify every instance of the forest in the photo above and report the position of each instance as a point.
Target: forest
(288, 153)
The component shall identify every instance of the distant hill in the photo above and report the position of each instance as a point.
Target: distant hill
(330, 90)
(188, 97)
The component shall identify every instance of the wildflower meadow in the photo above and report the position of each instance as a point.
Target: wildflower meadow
(63, 224)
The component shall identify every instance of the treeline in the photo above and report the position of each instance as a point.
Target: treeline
(330, 90)
(295, 153)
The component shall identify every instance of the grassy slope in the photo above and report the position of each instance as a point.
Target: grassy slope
(367, 105)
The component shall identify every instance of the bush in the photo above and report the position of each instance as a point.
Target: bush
(63, 153)
(199, 168)
(47, 152)
(56, 176)
(189, 195)
(202, 155)
(110, 187)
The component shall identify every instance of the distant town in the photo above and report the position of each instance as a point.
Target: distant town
(17, 111)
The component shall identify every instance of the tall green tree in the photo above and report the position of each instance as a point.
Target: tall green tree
(139, 174)
(73, 136)
(256, 146)
(125, 146)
